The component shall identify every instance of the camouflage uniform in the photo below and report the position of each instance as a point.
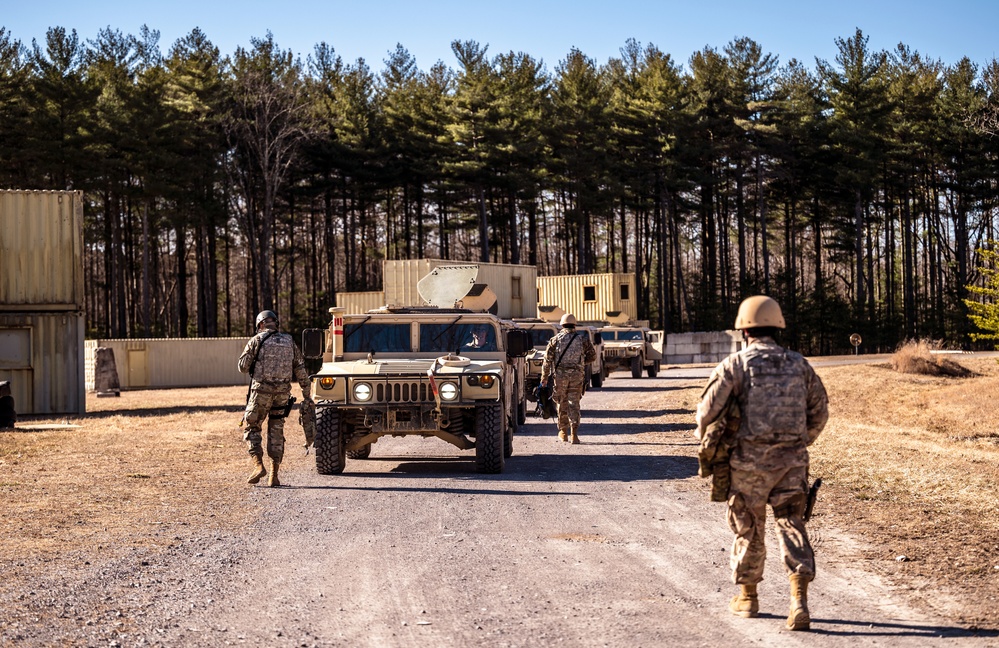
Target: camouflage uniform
(279, 362)
(784, 408)
(569, 375)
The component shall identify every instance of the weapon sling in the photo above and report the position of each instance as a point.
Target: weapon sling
(574, 335)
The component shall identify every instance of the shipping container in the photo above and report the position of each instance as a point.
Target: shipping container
(515, 285)
(593, 297)
(41, 354)
(41, 251)
(171, 362)
(360, 302)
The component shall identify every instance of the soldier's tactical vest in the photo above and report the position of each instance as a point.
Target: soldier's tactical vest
(276, 358)
(774, 409)
(573, 358)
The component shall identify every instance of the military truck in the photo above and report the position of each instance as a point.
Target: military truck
(452, 373)
(632, 347)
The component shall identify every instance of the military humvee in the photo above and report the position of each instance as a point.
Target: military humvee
(632, 347)
(452, 373)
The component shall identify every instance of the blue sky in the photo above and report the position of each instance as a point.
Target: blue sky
(547, 30)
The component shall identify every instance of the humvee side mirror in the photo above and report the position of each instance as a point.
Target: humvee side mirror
(313, 343)
(518, 343)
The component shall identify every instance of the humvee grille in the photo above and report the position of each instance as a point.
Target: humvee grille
(402, 392)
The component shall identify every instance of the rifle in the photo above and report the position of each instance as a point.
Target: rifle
(813, 493)
(253, 365)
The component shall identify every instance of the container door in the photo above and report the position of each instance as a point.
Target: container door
(15, 366)
(137, 375)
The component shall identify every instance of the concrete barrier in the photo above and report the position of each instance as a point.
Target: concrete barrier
(704, 347)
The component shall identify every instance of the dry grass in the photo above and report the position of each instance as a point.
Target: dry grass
(142, 470)
(912, 466)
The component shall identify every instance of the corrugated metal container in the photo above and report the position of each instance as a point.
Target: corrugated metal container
(360, 302)
(41, 354)
(171, 362)
(591, 297)
(41, 251)
(515, 285)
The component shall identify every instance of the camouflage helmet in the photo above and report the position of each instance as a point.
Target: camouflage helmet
(568, 320)
(266, 315)
(759, 311)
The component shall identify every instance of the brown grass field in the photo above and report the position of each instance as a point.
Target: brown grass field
(910, 465)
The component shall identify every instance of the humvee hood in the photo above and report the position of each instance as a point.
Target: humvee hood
(416, 366)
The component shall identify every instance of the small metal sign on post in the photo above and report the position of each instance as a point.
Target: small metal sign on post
(855, 340)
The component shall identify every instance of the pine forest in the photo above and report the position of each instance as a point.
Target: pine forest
(860, 192)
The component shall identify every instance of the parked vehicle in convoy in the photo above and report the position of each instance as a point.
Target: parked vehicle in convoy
(541, 332)
(632, 348)
(454, 374)
(594, 371)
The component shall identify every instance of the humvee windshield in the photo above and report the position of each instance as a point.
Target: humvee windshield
(621, 335)
(461, 338)
(365, 337)
(540, 336)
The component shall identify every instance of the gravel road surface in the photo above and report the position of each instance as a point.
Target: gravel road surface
(612, 542)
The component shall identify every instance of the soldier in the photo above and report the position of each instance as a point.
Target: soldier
(566, 358)
(273, 360)
(783, 407)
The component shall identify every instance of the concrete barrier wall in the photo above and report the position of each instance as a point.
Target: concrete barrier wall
(701, 348)
(171, 362)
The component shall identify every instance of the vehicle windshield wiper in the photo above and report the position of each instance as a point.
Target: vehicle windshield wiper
(447, 328)
(357, 328)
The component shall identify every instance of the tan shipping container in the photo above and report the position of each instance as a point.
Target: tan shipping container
(515, 285)
(41, 251)
(41, 354)
(171, 362)
(591, 297)
(360, 302)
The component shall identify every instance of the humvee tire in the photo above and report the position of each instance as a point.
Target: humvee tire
(489, 438)
(597, 379)
(653, 370)
(330, 454)
(636, 367)
(362, 453)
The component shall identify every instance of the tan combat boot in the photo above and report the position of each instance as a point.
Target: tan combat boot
(562, 436)
(574, 438)
(746, 604)
(258, 470)
(798, 618)
(273, 480)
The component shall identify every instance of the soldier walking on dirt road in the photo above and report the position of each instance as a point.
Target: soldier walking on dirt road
(273, 360)
(783, 407)
(566, 358)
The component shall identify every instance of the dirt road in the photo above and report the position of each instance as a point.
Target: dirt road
(612, 542)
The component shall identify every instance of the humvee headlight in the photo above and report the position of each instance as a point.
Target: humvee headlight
(486, 381)
(362, 392)
(448, 391)
(326, 382)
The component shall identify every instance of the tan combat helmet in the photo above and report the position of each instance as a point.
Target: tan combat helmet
(759, 311)
(568, 320)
